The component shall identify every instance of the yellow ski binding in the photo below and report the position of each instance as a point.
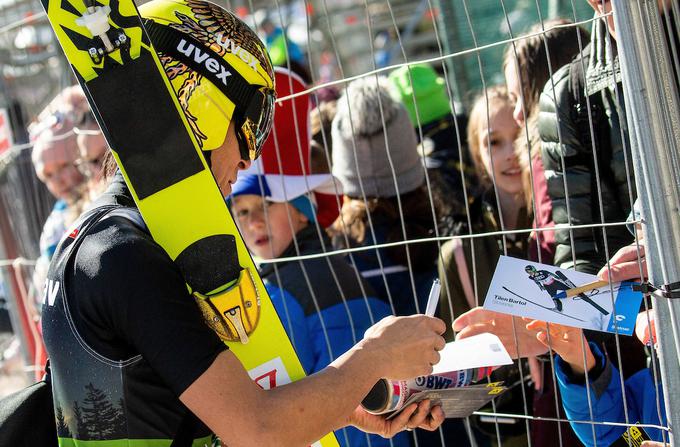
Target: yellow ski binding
(233, 314)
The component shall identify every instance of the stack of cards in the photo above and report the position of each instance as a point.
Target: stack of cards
(462, 363)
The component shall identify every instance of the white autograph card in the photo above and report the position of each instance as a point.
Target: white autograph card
(474, 352)
(529, 289)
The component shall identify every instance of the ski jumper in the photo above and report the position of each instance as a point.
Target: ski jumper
(124, 336)
(607, 400)
(547, 281)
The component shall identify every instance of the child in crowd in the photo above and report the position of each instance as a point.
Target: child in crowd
(641, 392)
(386, 200)
(491, 137)
(324, 303)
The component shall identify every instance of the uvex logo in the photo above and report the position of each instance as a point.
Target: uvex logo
(231, 46)
(203, 57)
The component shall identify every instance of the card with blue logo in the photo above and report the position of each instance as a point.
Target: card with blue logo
(528, 289)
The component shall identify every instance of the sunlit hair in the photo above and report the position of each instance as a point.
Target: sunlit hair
(485, 106)
(352, 227)
(558, 45)
(537, 58)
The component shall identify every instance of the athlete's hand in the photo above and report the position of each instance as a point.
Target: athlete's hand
(405, 347)
(624, 264)
(654, 444)
(566, 341)
(479, 320)
(420, 415)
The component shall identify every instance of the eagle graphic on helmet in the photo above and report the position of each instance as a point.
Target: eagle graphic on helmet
(193, 39)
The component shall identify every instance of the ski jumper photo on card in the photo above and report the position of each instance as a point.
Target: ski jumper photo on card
(529, 289)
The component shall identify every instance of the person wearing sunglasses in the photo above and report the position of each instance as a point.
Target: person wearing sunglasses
(133, 362)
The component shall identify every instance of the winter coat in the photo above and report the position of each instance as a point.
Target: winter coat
(607, 400)
(449, 166)
(325, 308)
(459, 292)
(459, 295)
(393, 281)
(565, 135)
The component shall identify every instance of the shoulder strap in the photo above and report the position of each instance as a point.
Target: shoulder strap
(71, 240)
(131, 214)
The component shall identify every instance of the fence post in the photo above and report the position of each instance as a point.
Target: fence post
(653, 117)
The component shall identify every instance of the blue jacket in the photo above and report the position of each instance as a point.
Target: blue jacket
(324, 312)
(391, 280)
(54, 228)
(607, 401)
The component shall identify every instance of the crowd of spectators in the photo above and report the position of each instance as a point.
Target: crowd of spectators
(385, 166)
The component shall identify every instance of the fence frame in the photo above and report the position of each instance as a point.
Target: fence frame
(653, 117)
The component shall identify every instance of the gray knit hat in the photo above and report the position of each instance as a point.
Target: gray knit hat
(365, 133)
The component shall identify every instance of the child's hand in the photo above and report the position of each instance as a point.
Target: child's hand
(566, 341)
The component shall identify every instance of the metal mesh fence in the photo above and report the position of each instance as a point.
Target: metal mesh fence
(456, 132)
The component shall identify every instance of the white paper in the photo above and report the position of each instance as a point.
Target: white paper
(474, 352)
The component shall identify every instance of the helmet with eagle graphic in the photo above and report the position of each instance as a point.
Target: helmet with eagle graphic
(219, 69)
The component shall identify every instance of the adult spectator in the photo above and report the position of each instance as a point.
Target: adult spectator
(55, 153)
(528, 65)
(92, 150)
(54, 156)
(68, 155)
(588, 92)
